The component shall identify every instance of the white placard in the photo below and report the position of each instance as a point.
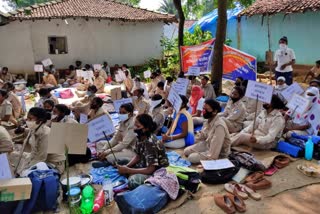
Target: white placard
(118, 103)
(263, 91)
(122, 75)
(295, 88)
(193, 71)
(118, 78)
(73, 135)
(46, 62)
(38, 68)
(175, 100)
(217, 164)
(99, 125)
(79, 73)
(83, 118)
(87, 75)
(97, 67)
(298, 104)
(181, 86)
(5, 170)
(147, 74)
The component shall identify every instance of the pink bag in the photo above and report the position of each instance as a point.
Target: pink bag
(66, 94)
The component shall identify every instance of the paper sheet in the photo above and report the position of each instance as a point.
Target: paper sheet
(83, 118)
(263, 91)
(217, 164)
(99, 125)
(5, 170)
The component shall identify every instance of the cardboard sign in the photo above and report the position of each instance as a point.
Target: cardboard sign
(5, 170)
(99, 125)
(118, 103)
(298, 104)
(87, 75)
(295, 88)
(181, 86)
(38, 68)
(79, 73)
(46, 62)
(70, 134)
(97, 67)
(193, 71)
(263, 91)
(147, 74)
(15, 189)
(83, 118)
(175, 100)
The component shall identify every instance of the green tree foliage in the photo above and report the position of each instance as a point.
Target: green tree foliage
(24, 3)
(167, 6)
(131, 2)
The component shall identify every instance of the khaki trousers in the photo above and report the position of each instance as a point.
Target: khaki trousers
(194, 152)
(244, 139)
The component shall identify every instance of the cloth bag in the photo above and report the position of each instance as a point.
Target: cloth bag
(66, 94)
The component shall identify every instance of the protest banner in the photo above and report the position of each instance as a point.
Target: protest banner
(193, 71)
(98, 126)
(118, 103)
(260, 91)
(83, 118)
(74, 136)
(295, 88)
(79, 73)
(181, 86)
(46, 62)
(298, 103)
(198, 56)
(38, 68)
(175, 100)
(5, 169)
(147, 74)
(97, 67)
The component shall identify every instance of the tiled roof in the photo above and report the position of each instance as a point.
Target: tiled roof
(100, 9)
(269, 7)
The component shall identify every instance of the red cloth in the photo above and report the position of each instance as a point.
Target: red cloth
(196, 95)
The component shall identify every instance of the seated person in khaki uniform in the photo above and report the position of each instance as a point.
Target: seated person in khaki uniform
(213, 142)
(96, 109)
(13, 99)
(268, 127)
(6, 112)
(234, 113)
(123, 141)
(314, 72)
(6, 144)
(61, 114)
(45, 94)
(99, 82)
(140, 103)
(150, 153)
(79, 108)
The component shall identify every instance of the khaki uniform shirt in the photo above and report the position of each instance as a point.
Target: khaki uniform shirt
(141, 105)
(7, 78)
(92, 114)
(50, 80)
(208, 91)
(16, 104)
(5, 109)
(234, 113)
(124, 138)
(158, 117)
(268, 128)
(250, 106)
(6, 144)
(216, 138)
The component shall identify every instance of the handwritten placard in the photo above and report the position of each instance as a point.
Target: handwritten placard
(298, 103)
(5, 170)
(263, 91)
(175, 100)
(46, 62)
(295, 88)
(79, 73)
(99, 125)
(68, 134)
(181, 86)
(97, 67)
(147, 74)
(38, 68)
(193, 71)
(217, 164)
(117, 103)
(83, 118)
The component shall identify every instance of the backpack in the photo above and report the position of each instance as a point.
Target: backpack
(247, 160)
(188, 178)
(44, 194)
(143, 199)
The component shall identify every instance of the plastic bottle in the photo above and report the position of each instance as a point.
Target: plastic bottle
(309, 149)
(99, 201)
(108, 190)
(87, 200)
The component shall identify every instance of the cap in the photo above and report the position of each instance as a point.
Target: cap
(281, 78)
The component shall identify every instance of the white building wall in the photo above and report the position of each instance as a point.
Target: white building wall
(23, 43)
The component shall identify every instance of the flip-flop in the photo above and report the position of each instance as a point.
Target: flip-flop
(252, 193)
(271, 170)
(309, 171)
(236, 189)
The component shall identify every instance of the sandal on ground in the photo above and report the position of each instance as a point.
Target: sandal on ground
(252, 193)
(225, 203)
(238, 203)
(309, 171)
(256, 176)
(236, 189)
(271, 170)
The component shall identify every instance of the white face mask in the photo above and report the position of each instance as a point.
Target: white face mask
(309, 97)
(31, 124)
(123, 117)
(283, 47)
(134, 97)
(154, 103)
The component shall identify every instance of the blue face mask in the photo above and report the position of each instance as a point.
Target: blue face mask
(89, 93)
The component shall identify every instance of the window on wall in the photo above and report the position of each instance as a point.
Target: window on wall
(58, 45)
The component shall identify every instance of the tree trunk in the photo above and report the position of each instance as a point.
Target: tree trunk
(177, 4)
(217, 65)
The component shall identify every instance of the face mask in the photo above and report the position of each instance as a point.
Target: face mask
(234, 100)
(154, 103)
(135, 97)
(265, 106)
(139, 133)
(282, 47)
(123, 117)
(309, 97)
(89, 93)
(207, 115)
(31, 124)
(45, 74)
(49, 110)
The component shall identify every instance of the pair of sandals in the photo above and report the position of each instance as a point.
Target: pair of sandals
(242, 191)
(278, 163)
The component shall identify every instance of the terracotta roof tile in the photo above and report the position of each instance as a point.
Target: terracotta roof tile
(100, 9)
(269, 7)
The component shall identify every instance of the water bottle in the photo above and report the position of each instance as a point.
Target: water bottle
(99, 201)
(108, 190)
(309, 149)
(87, 200)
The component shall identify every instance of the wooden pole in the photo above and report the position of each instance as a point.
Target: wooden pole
(114, 156)
(255, 116)
(68, 176)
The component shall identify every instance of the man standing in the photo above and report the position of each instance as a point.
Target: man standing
(6, 76)
(284, 59)
(207, 88)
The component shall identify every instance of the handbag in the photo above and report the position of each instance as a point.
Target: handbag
(66, 94)
(247, 160)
